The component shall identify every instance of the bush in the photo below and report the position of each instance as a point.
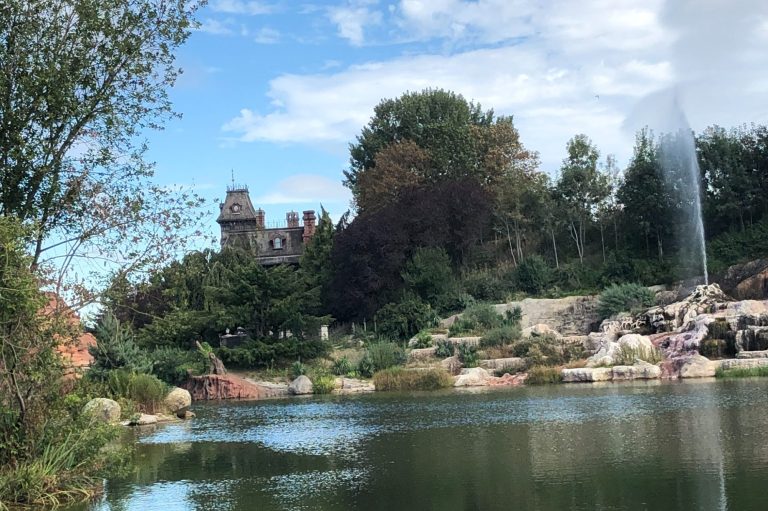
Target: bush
(484, 285)
(428, 274)
(533, 275)
(341, 366)
(381, 355)
(397, 378)
(500, 336)
(398, 321)
(467, 355)
(146, 390)
(543, 375)
(423, 340)
(476, 319)
(453, 301)
(298, 369)
(547, 350)
(444, 349)
(323, 384)
(624, 298)
(174, 365)
(741, 372)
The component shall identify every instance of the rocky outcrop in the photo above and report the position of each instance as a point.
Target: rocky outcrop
(472, 377)
(747, 281)
(540, 330)
(103, 409)
(639, 371)
(467, 341)
(512, 363)
(224, 386)
(300, 386)
(743, 363)
(609, 352)
(178, 401)
(696, 366)
(353, 386)
(508, 380)
(421, 353)
(705, 299)
(451, 364)
(586, 374)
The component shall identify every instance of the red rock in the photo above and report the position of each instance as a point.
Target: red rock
(508, 379)
(224, 386)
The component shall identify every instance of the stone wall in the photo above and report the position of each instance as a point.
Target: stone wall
(573, 315)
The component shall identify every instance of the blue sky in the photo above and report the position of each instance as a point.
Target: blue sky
(276, 90)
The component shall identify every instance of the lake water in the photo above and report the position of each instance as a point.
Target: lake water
(680, 445)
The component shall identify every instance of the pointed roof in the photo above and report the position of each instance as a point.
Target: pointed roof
(237, 206)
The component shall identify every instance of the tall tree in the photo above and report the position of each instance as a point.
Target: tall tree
(581, 188)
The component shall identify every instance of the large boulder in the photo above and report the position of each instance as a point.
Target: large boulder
(451, 364)
(540, 330)
(739, 363)
(639, 371)
(609, 352)
(586, 374)
(705, 299)
(300, 386)
(472, 377)
(747, 281)
(103, 409)
(696, 366)
(225, 386)
(178, 401)
(513, 364)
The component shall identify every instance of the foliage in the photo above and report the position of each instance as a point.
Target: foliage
(261, 354)
(468, 355)
(543, 375)
(398, 378)
(500, 336)
(444, 349)
(547, 350)
(484, 285)
(423, 340)
(298, 369)
(323, 384)
(341, 366)
(145, 389)
(174, 365)
(115, 349)
(738, 245)
(533, 275)
(624, 298)
(397, 321)
(428, 274)
(628, 355)
(381, 355)
(741, 372)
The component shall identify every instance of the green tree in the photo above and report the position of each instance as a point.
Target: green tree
(81, 81)
(428, 274)
(581, 187)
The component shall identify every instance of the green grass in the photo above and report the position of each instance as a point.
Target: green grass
(627, 355)
(323, 384)
(741, 372)
(543, 375)
(397, 378)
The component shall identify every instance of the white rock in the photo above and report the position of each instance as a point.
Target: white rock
(300, 386)
(178, 400)
(472, 377)
(586, 374)
(639, 371)
(540, 330)
(697, 367)
(103, 409)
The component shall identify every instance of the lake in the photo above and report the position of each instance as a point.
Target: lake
(655, 445)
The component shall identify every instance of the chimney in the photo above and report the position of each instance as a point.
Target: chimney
(260, 218)
(309, 225)
(292, 218)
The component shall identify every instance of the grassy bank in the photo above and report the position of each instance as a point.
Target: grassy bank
(397, 378)
(741, 372)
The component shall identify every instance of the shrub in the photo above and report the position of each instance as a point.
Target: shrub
(543, 375)
(467, 355)
(396, 321)
(145, 389)
(173, 365)
(547, 350)
(381, 355)
(341, 366)
(397, 378)
(478, 318)
(484, 285)
(624, 298)
(500, 336)
(453, 301)
(533, 275)
(323, 384)
(741, 372)
(627, 355)
(423, 340)
(428, 274)
(115, 349)
(298, 369)
(444, 349)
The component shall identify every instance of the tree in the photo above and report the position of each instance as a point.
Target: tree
(81, 80)
(429, 137)
(581, 187)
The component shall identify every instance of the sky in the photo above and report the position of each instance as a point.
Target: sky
(273, 92)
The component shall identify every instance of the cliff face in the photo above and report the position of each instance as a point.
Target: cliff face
(224, 386)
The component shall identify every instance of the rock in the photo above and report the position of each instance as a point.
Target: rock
(103, 409)
(507, 379)
(513, 364)
(586, 374)
(609, 352)
(747, 281)
(639, 371)
(472, 377)
(696, 366)
(421, 353)
(144, 420)
(224, 386)
(705, 299)
(540, 330)
(451, 364)
(353, 386)
(743, 363)
(752, 354)
(635, 342)
(187, 414)
(468, 341)
(177, 400)
(300, 386)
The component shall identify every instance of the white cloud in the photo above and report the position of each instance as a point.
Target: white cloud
(266, 35)
(559, 67)
(304, 189)
(251, 8)
(352, 19)
(216, 27)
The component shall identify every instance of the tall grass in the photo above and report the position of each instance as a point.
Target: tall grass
(323, 384)
(397, 378)
(543, 375)
(145, 389)
(627, 355)
(741, 372)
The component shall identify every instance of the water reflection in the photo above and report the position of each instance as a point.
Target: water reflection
(633, 446)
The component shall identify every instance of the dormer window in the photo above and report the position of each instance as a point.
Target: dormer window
(236, 208)
(277, 244)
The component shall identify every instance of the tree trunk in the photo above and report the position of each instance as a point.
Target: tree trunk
(554, 246)
(602, 240)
